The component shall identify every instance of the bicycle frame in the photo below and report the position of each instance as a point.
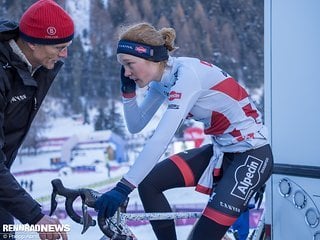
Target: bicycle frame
(117, 227)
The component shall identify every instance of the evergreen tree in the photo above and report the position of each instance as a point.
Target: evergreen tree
(115, 120)
(100, 121)
(109, 119)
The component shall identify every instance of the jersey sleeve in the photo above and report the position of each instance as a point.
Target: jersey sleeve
(137, 115)
(182, 97)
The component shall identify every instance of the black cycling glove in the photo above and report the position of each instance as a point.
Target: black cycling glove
(128, 86)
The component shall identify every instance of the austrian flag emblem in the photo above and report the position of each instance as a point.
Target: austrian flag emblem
(174, 95)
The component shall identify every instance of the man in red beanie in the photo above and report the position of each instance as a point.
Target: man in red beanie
(30, 59)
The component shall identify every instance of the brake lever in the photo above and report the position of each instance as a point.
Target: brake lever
(70, 195)
(88, 197)
(86, 218)
(54, 202)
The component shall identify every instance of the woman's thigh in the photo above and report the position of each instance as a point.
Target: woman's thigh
(180, 170)
(246, 173)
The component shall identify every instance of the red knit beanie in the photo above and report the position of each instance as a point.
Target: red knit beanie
(45, 22)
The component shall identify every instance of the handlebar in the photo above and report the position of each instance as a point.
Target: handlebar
(88, 197)
(110, 227)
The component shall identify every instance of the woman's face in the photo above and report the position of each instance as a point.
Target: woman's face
(140, 70)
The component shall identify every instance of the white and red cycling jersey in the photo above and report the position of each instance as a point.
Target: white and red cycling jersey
(199, 90)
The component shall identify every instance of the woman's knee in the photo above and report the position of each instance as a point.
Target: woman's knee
(143, 187)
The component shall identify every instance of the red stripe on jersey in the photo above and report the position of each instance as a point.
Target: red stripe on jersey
(203, 189)
(219, 217)
(217, 172)
(250, 112)
(236, 133)
(250, 135)
(230, 87)
(219, 123)
(184, 169)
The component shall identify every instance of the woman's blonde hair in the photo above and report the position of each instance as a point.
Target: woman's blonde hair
(147, 34)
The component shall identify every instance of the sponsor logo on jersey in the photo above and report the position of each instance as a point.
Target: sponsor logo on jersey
(173, 106)
(174, 95)
(229, 206)
(247, 176)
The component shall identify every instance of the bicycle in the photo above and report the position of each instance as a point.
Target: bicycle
(113, 228)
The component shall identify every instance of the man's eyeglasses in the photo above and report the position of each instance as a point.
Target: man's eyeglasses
(61, 49)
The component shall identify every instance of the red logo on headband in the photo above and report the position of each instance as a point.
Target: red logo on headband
(140, 49)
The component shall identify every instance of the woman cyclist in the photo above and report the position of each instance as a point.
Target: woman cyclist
(237, 163)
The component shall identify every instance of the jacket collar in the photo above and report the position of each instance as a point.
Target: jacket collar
(17, 50)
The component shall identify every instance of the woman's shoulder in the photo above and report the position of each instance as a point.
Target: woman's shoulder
(195, 64)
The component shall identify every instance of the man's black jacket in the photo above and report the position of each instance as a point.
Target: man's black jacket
(20, 97)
